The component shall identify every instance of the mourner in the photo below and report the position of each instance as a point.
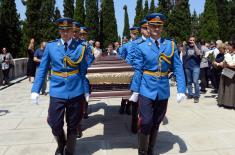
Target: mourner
(150, 83)
(68, 66)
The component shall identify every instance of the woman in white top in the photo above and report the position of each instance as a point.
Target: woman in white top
(6, 61)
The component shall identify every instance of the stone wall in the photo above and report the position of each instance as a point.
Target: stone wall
(19, 70)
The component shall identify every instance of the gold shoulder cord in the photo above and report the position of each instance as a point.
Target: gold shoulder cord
(71, 62)
(165, 57)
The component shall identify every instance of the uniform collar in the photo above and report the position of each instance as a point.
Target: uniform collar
(158, 40)
(69, 42)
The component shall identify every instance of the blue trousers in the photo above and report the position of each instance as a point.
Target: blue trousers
(192, 75)
(72, 109)
(151, 113)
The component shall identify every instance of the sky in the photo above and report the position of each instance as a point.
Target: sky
(197, 5)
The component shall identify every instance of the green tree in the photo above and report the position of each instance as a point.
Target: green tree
(33, 21)
(126, 31)
(209, 22)
(179, 23)
(164, 6)
(223, 17)
(138, 12)
(146, 8)
(152, 7)
(108, 23)
(68, 8)
(47, 20)
(231, 20)
(195, 24)
(79, 12)
(56, 15)
(92, 19)
(9, 27)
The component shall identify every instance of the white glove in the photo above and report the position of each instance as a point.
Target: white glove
(180, 97)
(87, 96)
(35, 98)
(134, 97)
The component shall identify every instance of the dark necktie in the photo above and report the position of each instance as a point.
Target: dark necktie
(65, 46)
(157, 44)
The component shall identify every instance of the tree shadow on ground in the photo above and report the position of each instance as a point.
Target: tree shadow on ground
(109, 130)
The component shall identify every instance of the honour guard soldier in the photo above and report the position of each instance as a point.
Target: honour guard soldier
(76, 31)
(123, 53)
(152, 61)
(89, 57)
(68, 66)
(131, 57)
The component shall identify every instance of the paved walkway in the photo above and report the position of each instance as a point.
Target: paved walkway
(188, 129)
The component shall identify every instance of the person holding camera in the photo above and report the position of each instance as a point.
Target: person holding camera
(7, 62)
(191, 62)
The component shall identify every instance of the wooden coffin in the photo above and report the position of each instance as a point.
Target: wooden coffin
(110, 76)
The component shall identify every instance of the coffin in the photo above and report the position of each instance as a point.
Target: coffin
(110, 76)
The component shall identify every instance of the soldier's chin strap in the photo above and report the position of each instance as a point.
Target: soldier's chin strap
(71, 63)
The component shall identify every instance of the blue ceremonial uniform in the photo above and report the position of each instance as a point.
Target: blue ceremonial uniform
(132, 48)
(60, 87)
(89, 59)
(147, 58)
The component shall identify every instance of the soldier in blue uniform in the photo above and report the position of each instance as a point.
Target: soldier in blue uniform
(131, 57)
(90, 58)
(150, 83)
(76, 31)
(67, 88)
(123, 53)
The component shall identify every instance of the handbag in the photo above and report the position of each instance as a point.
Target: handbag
(11, 65)
(228, 73)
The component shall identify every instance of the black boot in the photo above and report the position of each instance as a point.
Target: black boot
(143, 141)
(61, 144)
(85, 116)
(79, 135)
(134, 119)
(152, 140)
(71, 144)
(122, 108)
(128, 108)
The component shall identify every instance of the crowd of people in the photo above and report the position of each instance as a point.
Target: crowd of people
(197, 65)
(205, 65)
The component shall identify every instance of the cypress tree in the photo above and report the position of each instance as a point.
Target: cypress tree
(152, 7)
(92, 19)
(126, 31)
(195, 24)
(79, 12)
(209, 22)
(138, 12)
(9, 27)
(164, 6)
(146, 8)
(47, 19)
(56, 15)
(231, 22)
(223, 17)
(33, 22)
(179, 23)
(108, 23)
(68, 8)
